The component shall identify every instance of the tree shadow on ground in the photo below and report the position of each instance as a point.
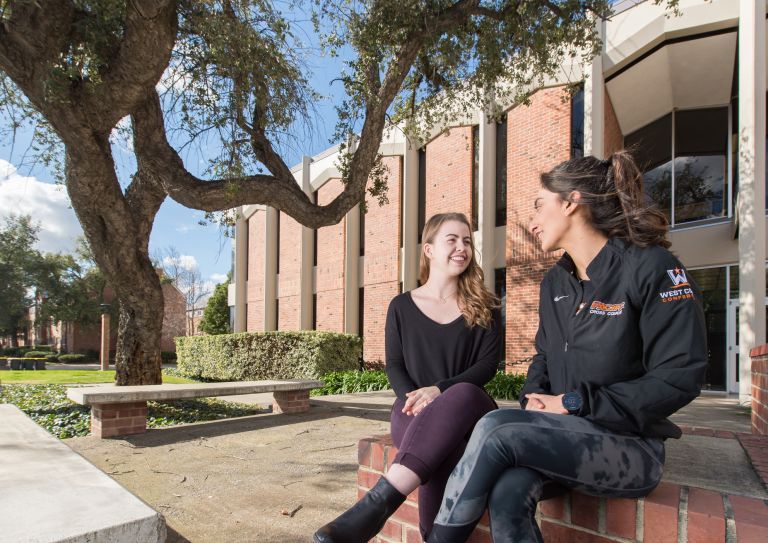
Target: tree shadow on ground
(318, 412)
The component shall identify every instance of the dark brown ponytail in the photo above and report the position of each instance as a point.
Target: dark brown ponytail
(612, 190)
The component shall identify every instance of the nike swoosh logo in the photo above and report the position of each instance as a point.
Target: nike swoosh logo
(558, 298)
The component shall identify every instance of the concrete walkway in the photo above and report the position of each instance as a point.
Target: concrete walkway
(276, 478)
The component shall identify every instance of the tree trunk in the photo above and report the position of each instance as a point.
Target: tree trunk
(138, 360)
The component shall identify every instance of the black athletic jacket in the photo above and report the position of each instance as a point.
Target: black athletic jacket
(636, 352)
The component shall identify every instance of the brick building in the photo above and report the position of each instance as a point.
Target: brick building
(687, 93)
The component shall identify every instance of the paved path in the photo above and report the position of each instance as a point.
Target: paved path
(239, 480)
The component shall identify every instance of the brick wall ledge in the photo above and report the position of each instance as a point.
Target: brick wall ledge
(760, 350)
(671, 513)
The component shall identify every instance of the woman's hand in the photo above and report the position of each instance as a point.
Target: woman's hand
(419, 399)
(546, 403)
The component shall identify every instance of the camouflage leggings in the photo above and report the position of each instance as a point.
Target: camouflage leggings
(515, 458)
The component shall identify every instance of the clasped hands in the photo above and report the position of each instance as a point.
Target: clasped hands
(546, 403)
(418, 399)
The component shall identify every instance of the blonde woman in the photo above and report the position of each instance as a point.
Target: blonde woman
(443, 343)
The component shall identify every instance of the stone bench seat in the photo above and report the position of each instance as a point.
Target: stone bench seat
(118, 411)
(50, 493)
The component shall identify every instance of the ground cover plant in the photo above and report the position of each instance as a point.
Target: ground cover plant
(49, 407)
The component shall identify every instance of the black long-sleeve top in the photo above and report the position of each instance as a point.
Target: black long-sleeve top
(636, 352)
(421, 352)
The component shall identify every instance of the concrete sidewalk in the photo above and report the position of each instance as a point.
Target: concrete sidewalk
(276, 478)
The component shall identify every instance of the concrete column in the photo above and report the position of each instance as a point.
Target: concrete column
(104, 354)
(306, 285)
(751, 198)
(352, 271)
(270, 271)
(594, 103)
(409, 264)
(486, 212)
(241, 272)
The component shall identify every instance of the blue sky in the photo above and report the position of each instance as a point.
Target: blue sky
(30, 189)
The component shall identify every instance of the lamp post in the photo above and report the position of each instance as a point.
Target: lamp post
(104, 354)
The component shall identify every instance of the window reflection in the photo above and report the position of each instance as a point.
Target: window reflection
(700, 188)
(658, 187)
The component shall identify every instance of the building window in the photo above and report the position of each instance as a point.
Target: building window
(362, 230)
(278, 241)
(361, 311)
(577, 123)
(475, 175)
(712, 283)
(314, 312)
(500, 289)
(684, 159)
(400, 287)
(422, 189)
(277, 313)
(501, 172)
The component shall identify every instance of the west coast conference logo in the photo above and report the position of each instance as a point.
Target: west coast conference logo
(680, 289)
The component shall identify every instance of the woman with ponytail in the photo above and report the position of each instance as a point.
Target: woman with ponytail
(621, 346)
(442, 343)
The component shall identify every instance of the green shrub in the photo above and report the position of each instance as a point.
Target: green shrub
(52, 358)
(72, 358)
(35, 354)
(505, 386)
(44, 348)
(168, 357)
(349, 382)
(267, 355)
(12, 351)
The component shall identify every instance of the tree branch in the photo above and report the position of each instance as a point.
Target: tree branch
(143, 56)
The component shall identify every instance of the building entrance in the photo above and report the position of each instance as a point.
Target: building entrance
(732, 356)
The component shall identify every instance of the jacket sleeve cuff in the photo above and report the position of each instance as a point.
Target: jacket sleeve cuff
(586, 407)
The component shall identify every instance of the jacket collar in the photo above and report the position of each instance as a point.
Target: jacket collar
(600, 266)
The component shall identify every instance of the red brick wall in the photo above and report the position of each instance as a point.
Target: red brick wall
(289, 281)
(614, 140)
(538, 138)
(330, 265)
(382, 260)
(174, 317)
(256, 259)
(449, 173)
(760, 390)
(576, 517)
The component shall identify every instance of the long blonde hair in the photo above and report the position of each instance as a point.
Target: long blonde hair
(475, 300)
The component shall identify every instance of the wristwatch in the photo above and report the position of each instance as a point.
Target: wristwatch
(572, 402)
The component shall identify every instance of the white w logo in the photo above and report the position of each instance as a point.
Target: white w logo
(678, 276)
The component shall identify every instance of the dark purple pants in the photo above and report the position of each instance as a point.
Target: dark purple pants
(431, 444)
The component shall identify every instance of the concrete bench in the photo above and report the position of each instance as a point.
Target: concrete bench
(50, 493)
(119, 411)
(671, 513)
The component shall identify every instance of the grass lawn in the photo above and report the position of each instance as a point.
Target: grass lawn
(57, 377)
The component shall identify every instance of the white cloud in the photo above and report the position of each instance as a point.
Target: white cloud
(47, 203)
(188, 262)
(183, 229)
(218, 277)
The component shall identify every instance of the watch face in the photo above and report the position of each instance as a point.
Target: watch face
(572, 401)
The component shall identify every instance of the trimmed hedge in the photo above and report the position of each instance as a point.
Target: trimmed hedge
(250, 356)
(36, 354)
(72, 358)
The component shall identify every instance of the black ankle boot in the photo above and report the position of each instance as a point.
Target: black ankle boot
(363, 520)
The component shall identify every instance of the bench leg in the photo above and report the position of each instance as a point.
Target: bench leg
(118, 419)
(294, 401)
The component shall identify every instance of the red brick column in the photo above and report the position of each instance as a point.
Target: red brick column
(118, 419)
(699, 515)
(292, 401)
(760, 389)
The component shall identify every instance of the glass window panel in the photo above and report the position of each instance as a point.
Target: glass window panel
(657, 183)
(651, 146)
(711, 282)
(500, 289)
(422, 189)
(700, 188)
(501, 172)
(577, 124)
(701, 143)
(475, 175)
